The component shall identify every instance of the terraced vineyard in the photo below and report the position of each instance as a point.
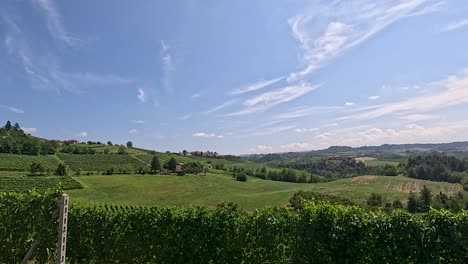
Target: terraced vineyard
(13, 162)
(25, 183)
(100, 162)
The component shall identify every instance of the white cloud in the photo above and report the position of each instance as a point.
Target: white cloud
(207, 135)
(298, 146)
(303, 130)
(256, 86)
(417, 117)
(324, 31)
(133, 131)
(373, 97)
(138, 121)
(196, 95)
(55, 23)
(308, 111)
(269, 99)
(29, 130)
(185, 117)
(167, 65)
(43, 69)
(349, 103)
(449, 92)
(323, 136)
(455, 25)
(219, 107)
(261, 149)
(82, 134)
(13, 109)
(141, 95)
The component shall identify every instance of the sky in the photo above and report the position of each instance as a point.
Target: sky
(236, 77)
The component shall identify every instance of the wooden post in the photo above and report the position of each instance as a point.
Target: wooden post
(62, 238)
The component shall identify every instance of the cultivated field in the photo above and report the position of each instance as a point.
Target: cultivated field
(213, 189)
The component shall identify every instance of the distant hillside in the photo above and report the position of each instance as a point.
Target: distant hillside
(390, 151)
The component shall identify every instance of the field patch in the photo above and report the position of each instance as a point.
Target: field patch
(100, 162)
(25, 183)
(13, 162)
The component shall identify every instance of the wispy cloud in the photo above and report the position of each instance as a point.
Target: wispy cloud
(257, 85)
(138, 121)
(455, 25)
(13, 109)
(195, 95)
(207, 135)
(29, 130)
(373, 97)
(185, 117)
(167, 65)
(133, 131)
(417, 117)
(350, 103)
(141, 95)
(54, 22)
(451, 91)
(308, 111)
(324, 31)
(269, 99)
(82, 134)
(303, 130)
(221, 106)
(432, 8)
(43, 69)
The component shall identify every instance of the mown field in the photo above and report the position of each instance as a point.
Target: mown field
(213, 189)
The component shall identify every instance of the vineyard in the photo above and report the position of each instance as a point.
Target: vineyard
(319, 233)
(13, 162)
(100, 162)
(25, 183)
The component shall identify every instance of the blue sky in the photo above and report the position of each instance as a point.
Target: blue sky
(236, 76)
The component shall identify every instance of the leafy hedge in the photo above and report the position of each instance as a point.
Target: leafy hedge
(319, 233)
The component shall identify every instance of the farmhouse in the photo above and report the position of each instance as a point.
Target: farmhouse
(180, 167)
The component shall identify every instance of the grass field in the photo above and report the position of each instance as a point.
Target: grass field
(213, 189)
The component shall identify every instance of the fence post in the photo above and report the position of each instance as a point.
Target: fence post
(62, 238)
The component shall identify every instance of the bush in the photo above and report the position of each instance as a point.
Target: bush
(241, 176)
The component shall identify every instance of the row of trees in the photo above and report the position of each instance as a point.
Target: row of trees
(437, 167)
(286, 175)
(15, 141)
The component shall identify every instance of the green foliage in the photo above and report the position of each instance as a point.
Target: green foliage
(129, 144)
(155, 165)
(61, 170)
(121, 150)
(26, 183)
(193, 168)
(301, 198)
(318, 233)
(171, 164)
(436, 167)
(34, 217)
(13, 140)
(13, 162)
(375, 201)
(240, 176)
(100, 162)
(76, 149)
(36, 168)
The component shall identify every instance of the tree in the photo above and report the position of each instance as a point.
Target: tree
(121, 150)
(374, 200)
(129, 144)
(8, 125)
(16, 127)
(155, 165)
(425, 200)
(106, 151)
(184, 152)
(241, 176)
(61, 170)
(172, 164)
(36, 168)
(412, 203)
(109, 143)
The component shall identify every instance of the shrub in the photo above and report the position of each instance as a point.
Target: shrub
(241, 176)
